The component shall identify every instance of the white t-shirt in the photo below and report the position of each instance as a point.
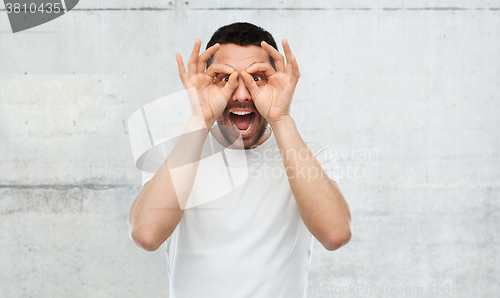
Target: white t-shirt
(250, 242)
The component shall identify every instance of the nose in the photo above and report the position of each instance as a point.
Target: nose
(241, 93)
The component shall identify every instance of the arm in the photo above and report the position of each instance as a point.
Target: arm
(321, 204)
(158, 209)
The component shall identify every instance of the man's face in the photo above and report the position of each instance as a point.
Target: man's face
(240, 116)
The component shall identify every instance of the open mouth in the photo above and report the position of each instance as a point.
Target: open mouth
(242, 120)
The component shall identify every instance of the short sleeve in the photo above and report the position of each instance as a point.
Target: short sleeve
(146, 176)
(155, 157)
(326, 160)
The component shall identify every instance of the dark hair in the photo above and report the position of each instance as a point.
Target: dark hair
(242, 34)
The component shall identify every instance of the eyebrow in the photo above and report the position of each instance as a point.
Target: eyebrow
(248, 65)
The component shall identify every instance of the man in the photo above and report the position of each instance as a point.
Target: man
(257, 240)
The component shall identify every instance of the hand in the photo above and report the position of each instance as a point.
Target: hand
(208, 100)
(273, 99)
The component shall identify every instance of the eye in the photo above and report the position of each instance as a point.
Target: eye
(221, 79)
(257, 78)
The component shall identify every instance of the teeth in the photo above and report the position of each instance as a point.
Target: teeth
(241, 113)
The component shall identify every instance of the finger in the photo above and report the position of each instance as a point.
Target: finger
(182, 71)
(231, 85)
(292, 67)
(202, 60)
(295, 68)
(261, 66)
(193, 59)
(250, 84)
(216, 68)
(278, 58)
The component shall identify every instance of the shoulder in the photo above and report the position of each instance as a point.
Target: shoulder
(318, 148)
(326, 158)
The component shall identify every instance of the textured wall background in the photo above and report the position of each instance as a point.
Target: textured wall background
(406, 93)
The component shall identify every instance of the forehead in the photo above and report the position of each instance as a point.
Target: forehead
(240, 57)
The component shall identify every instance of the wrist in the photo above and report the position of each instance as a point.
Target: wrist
(196, 123)
(284, 122)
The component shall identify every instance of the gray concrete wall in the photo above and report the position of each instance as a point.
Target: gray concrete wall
(406, 93)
